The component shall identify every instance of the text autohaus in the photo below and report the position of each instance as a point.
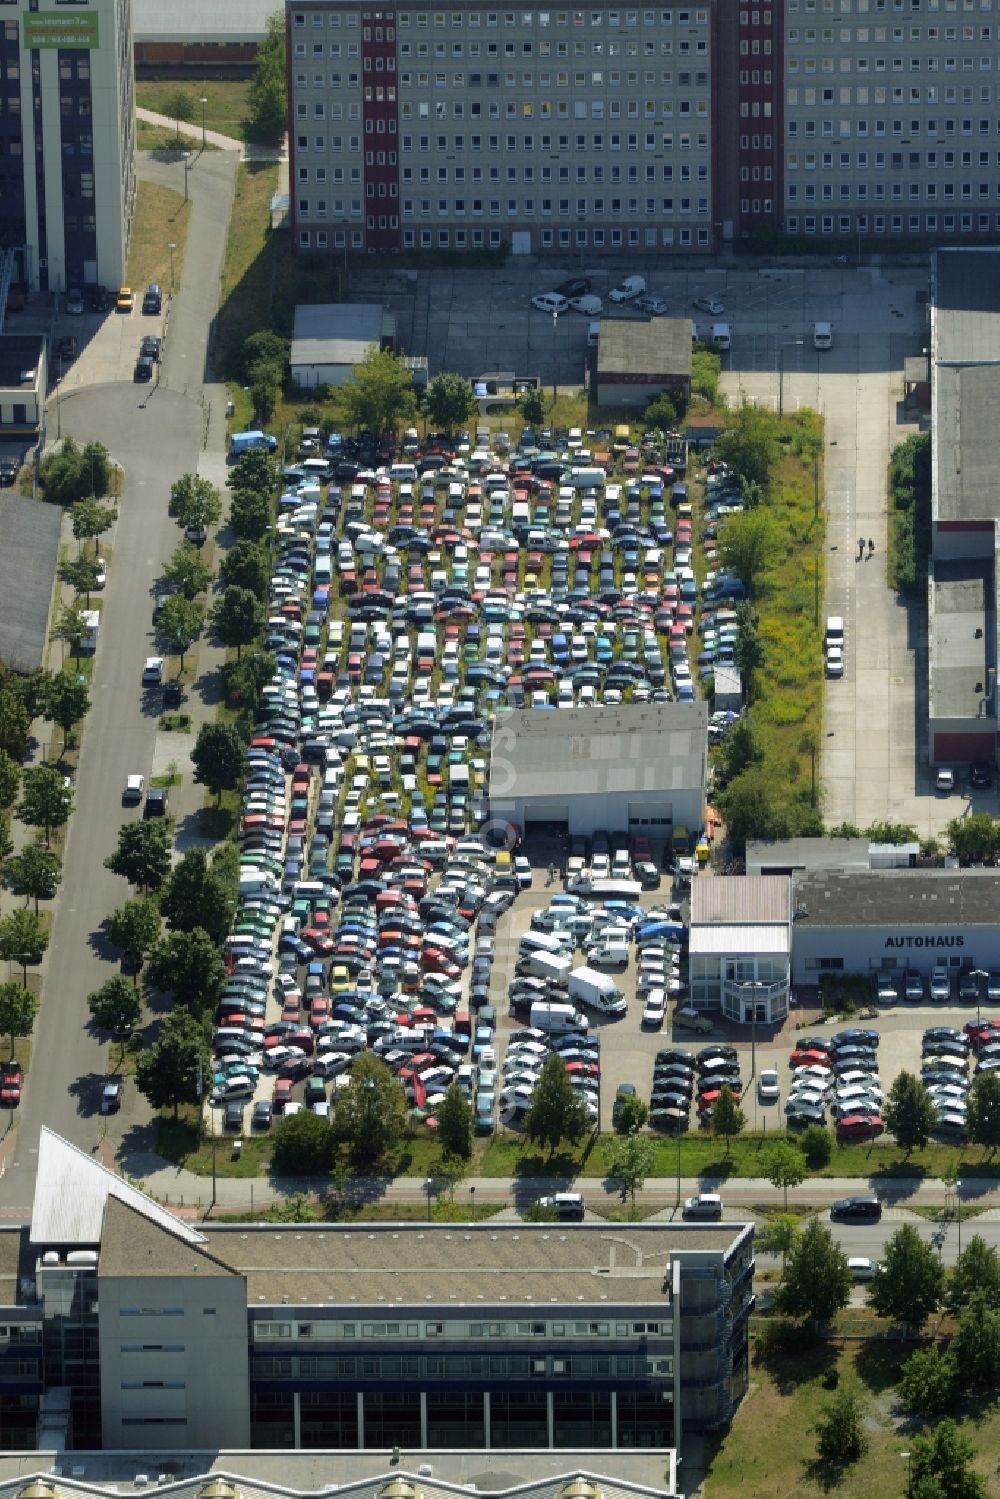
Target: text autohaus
(929, 940)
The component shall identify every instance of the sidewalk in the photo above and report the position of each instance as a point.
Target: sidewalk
(248, 150)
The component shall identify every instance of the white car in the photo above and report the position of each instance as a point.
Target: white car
(944, 782)
(655, 306)
(590, 306)
(655, 1008)
(768, 1087)
(549, 301)
(630, 288)
(152, 672)
(834, 661)
(134, 788)
(711, 305)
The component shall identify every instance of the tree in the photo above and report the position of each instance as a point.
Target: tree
(180, 623)
(630, 1114)
(81, 573)
(909, 1112)
(303, 1145)
(379, 393)
(195, 896)
(195, 503)
(254, 469)
(817, 1146)
(45, 802)
(17, 1012)
(943, 1456)
(22, 941)
(840, 1429)
(91, 520)
(245, 565)
(244, 680)
(749, 445)
(15, 723)
(928, 1382)
(238, 617)
(250, 514)
(116, 1006)
(133, 928)
(532, 406)
(10, 780)
(817, 1281)
(71, 472)
(977, 1344)
(187, 572)
(189, 966)
(34, 873)
(143, 853)
(264, 393)
(557, 1112)
(71, 628)
(171, 1071)
(449, 401)
(178, 106)
(217, 757)
(661, 413)
(984, 1110)
(746, 543)
(728, 1119)
(779, 1236)
(630, 1160)
(371, 1112)
(748, 650)
(975, 839)
(910, 1282)
(65, 701)
(268, 108)
(455, 1124)
(978, 1269)
(265, 354)
(785, 1166)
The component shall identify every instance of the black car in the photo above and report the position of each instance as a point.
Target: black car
(9, 469)
(152, 300)
(67, 347)
(173, 695)
(234, 1117)
(856, 1210)
(980, 774)
(575, 286)
(143, 369)
(157, 801)
(262, 1114)
(150, 346)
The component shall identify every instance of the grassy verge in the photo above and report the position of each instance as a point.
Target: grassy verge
(316, 1210)
(909, 531)
(226, 101)
(768, 1450)
(161, 219)
(245, 293)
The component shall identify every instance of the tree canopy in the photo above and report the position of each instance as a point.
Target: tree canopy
(189, 966)
(143, 853)
(909, 1112)
(116, 1005)
(45, 802)
(168, 1073)
(218, 757)
(371, 1112)
(449, 400)
(379, 393)
(557, 1112)
(17, 1012)
(817, 1281)
(910, 1282)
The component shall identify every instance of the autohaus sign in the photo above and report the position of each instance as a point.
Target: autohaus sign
(925, 939)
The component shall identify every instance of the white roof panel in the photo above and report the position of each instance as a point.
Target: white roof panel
(720, 938)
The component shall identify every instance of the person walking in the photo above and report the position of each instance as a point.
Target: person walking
(871, 547)
(861, 547)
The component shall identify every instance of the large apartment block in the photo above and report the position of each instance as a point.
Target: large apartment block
(67, 140)
(642, 130)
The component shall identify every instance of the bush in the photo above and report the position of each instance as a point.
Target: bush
(816, 1145)
(910, 487)
(303, 1145)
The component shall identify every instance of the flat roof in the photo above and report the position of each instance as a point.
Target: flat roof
(966, 301)
(651, 747)
(29, 550)
(920, 899)
(20, 357)
(965, 358)
(807, 853)
(759, 937)
(338, 333)
(961, 623)
(740, 899)
(386, 1265)
(661, 346)
(200, 20)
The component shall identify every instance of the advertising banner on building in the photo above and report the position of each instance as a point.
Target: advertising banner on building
(43, 28)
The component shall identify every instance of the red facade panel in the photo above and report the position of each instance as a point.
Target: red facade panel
(760, 32)
(380, 112)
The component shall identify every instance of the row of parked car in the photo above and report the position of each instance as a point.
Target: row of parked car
(682, 1078)
(839, 1073)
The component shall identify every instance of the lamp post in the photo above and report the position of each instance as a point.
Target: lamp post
(187, 164)
(791, 343)
(958, 1213)
(171, 247)
(909, 1471)
(203, 102)
(472, 1203)
(555, 326)
(979, 974)
(428, 1188)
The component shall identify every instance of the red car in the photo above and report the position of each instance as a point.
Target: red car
(809, 1058)
(859, 1127)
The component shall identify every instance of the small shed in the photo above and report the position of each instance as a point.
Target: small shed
(639, 360)
(330, 338)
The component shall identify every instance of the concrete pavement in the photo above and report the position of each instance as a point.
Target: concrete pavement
(248, 150)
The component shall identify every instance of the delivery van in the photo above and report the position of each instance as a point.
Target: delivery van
(822, 335)
(722, 337)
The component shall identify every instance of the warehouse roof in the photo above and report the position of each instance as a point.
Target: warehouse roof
(782, 855)
(201, 20)
(661, 346)
(965, 353)
(654, 747)
(29, 549)
(741, 899)
(335, 333)
(960, 604)
(485, 1264)
(921, 900)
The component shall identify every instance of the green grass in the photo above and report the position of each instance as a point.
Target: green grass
(175, 723)
(161, 218)
(769, 1452)
(226, 108)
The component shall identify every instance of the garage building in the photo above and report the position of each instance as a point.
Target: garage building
(637, 361)
(329, 339)
(740, 940)
(891, 921)
(631, 769)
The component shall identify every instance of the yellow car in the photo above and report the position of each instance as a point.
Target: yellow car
(125, 301)
(340, 979)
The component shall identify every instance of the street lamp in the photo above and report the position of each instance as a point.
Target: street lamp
(187, 165)
(428, 1188)
(978, 974)
(958, 1213)
(909, 1471)
(472, 1203)
(204, 101)
(171, 247)
(791, 343)
(555, 325)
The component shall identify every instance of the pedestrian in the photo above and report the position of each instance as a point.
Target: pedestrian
(871, 547)
(861, 546)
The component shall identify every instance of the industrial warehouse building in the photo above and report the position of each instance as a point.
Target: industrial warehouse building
(492, 1336)
(329, 339)
(637, 361)
(638, 768)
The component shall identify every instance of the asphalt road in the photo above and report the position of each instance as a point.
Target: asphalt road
(155, 435)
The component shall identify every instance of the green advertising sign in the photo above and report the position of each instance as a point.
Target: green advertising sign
(45, 29)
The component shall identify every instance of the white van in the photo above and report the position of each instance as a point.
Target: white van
(722, 336)
(555, 1019)
(822, 335)
(550, 942)
(594, 333)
